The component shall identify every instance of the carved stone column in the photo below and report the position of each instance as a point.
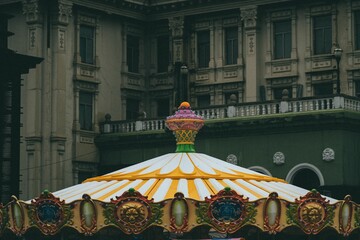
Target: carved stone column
(60, 41)
(249, 16)
(34, 99)
(176, 25)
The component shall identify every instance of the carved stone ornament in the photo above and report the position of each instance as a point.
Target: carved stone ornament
(64, 12)
(279, 158)
(31, 10)
(328, 154)
(232, 159)
(176, 26)
(249, 16)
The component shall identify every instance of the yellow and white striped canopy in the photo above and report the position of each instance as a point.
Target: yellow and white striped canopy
(195, 175)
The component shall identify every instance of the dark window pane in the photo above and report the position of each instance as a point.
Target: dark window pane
(306, 178)
(203, 49)
(323, 89)
(3, 31)
(357, 29)
(162, 54)
(132, 109)
(322, 34)
(282, 39)
(83, 175)
(231, 46)
(133, 53)
(163, 107)
(278, 92)
(87, 44)
(203, 101)
(86, 110)
(357, 88)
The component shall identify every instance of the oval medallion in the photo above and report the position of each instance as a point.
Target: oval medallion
(179, 211)
(226, 210)
(272, 211)
(48, 213)
(345, 215)
(88, 213)
(18, 215)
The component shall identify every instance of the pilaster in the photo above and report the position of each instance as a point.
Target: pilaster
(176, 26)
(249, 16)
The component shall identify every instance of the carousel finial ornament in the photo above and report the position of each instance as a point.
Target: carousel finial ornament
(185, 124)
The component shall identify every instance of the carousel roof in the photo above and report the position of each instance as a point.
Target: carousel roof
(179, 192)
(195, 175)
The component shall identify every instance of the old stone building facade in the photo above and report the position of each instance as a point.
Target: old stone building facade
(126, 57)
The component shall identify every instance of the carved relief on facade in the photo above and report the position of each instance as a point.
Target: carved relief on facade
(251, 40)
(231, 158)
(32, 38)
(249, 16)
(176, 26)
(328, 154)
(279, 158)
(31, 10)
(64, 12)
(61, 39)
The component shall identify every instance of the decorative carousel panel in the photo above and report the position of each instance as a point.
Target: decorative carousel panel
(17, 217)
(88, 215)
(311, 213)
(3, 218)
(357, 216)
(132, 212)
(49, 214)
(272, 211)
(179, 214)
(228, 211)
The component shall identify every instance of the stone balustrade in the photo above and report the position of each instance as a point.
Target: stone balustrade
(242, 110)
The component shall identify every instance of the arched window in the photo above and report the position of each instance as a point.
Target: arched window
(260, 169)
(305, 175)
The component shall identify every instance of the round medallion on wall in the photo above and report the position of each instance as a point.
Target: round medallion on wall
(279, 158)
(232, 159)
(328, 155)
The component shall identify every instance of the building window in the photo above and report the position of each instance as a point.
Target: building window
(87, 44)
(83, 175)
(163, 107)
(357, 89)
(282, 39)
(132, 109)
(231, 45)
(3, 31)
(203, 46)
(322, 34)
(323, 89)
(86, 110)
(203, 101)
(231, 98)
(357, 29)
(162, 54)
(278, 92)
(133, 53)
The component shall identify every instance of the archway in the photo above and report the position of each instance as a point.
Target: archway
(261, 170)
(305, 175)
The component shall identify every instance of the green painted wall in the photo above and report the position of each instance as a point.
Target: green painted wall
(254, 141)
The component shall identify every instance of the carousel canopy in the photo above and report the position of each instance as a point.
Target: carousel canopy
(196, 175)
(179, 192)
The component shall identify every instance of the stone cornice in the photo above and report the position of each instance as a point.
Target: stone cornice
(168, 9)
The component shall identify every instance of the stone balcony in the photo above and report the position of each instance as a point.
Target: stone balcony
(244, 110)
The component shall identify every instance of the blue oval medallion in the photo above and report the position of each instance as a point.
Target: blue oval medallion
(226, 210)
(48, 213)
